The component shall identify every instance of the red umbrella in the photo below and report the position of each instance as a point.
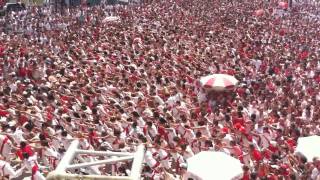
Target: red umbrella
(259, 12)
(283, 5)
(218, 81)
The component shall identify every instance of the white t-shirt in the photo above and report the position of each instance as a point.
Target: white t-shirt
(49, 156)
(257, 63)
(227, 139)
(265, 140)
(66, 141)
(141, 122)
(8, 170)
(315, 175)
(201, 97)
(135, 132)
(159, 100)
(18, 136)
(189, 135)
(152, 131)
(188, 153)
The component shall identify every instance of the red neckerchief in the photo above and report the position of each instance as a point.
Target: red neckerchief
(5, 140)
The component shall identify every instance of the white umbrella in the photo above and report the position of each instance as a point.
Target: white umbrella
(309, 147)
(111, 19)
(218, 81)
(208, 165)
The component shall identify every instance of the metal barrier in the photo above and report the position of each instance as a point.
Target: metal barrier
(73, 152)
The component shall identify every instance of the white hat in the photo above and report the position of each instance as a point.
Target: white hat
(184, 165)
(12, 123)
(3, 119)
(273, 143)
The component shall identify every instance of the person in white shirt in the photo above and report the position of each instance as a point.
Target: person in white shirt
(202, 97)
(186, 133)
(65, 139)
(159, 100)
(307, 114)
(186, 151)
(315, 174)
(116, 139)
(31, 164)
(151, 174)
(139, 119)
(265, 138)
(151, 161)
(17, 135)
(171, 133)
(49, 155)
(5, 147)
(84, 143)
(226, 138)
(150, 131)
(197, 144)
(135, 130)
(6, 170)
(178, 160)
(13, 87)
(162, 155)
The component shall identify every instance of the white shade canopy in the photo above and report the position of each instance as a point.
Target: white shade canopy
(309, 147)
(209, 165)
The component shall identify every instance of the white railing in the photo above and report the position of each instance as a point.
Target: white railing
(73, 152)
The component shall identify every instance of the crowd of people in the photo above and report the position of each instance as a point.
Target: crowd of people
(116, 84)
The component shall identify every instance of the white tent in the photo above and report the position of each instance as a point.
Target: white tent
(209, 165)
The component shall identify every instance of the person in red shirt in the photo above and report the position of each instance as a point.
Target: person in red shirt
(238, 119)
(4, 113)
(255, 154)
(24, 148)
(23, 72)
(236, 150)
(93, 138)
(246, 173)
(303, 55)
(22, 119)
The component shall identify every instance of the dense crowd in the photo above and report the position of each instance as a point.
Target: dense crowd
(116, 84)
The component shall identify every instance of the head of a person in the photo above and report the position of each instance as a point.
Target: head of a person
(198, 134)
(13, 128)
(232, 143)
(251, 147)
(23, 144)
(64, 133)
(149, 124)
(44, 125)
(245, 168)
(134, 125)
(45, 143)
(316, 162)
(42, 137)
(208, 143)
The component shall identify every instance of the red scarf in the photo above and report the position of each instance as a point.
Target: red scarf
(5, 140)
(34, 170)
